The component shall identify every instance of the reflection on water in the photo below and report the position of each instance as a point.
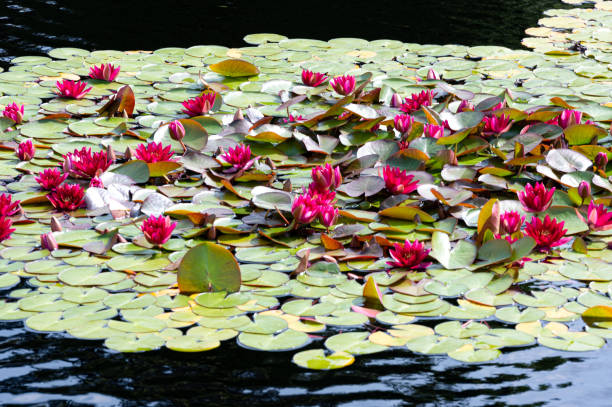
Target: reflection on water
(34, 26)
(36, 367)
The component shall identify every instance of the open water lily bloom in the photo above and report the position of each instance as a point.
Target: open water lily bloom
(343, 85)
(26, 150)
(85, 164)
(5, 228)
(239, 157)
(313, 79)
(153, 152)
(50, 178)
(14, 112)
(403, 123)
(598, 217)
(495, 125)
(200, 105)
(104, 72)
(398, 181)
(158, 230)
(409, 255)
(547, 233)
(433, 131)
(510, 222)
(67, 197)
(8, 207)
(416, 100)
(536, 199)
(71, 89)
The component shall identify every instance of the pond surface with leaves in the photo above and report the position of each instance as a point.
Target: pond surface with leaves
(420, 217)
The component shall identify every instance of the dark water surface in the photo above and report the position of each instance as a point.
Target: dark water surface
(35, 26)
(38, 369)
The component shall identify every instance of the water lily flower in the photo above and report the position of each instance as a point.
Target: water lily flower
(584, 190)
(465, 106)
(326, 177)
(547, 234)
(239, 157)
(536, 199)
(199, 105)
(510, 222)
(324, 198)
(104, 72)
(313, 79)
(432, 75)
(177, 130)
(398, 181)
(67, 197)
(499, 106)
(158, 230)
(304, 209)
(396, 100)
(5, 228)
(507, 238)
(403, 123)
(601, 161)
(47, 241)
(26, 150)
(96, 182)
(83, 164)
(7, 206)
(416, 100)
(598, 217)
(50, 178)
(433, 130)
(328, 215)
(294, 118)
(153, 152)
(71, 89)
(14, 112)
(409, 255)
(496, 125)
(343, 85)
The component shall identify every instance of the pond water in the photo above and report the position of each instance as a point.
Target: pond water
(38, 369)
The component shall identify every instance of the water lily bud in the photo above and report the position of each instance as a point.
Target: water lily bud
(238, 115)
(601, 161)
(177, 130)
(432, 75)
(396, 100)
(129, 154)
(110, 154)
(56, 226)
(584, 190)
(47, 241)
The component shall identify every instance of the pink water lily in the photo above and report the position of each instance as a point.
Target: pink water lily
(409, 255)
(601, 161)
(67, 197)
(96, 182)
(239, 157)
(416, 100)
(154, 152)
(72, 89)
(85, 164)
(326, 177)
(304, 209)
(403, 123)
(598, 217)
(26, 150)
(158, 230)
(47, 241)
(50, 178)
(536, 199)
(547, 233)
(200, 105)
(14, 112)
(328, 215)
(568, 118)
(396, 101)
(510, 222)
(465, 106)
(343, 85)
(496, 125)
(177, 130)
(398, 181)
(433, 131)
(294, 118)
(8, 207)
(104, 72)
(432, 75)
(5, 228)
(313, 79)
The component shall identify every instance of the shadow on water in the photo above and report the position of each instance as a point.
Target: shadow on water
(35, 26)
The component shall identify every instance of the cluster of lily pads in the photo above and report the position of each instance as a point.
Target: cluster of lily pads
(347, 196)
